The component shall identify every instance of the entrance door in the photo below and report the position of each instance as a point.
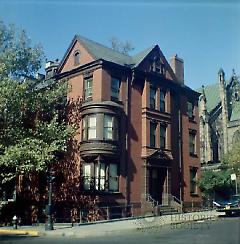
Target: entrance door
(157, 177)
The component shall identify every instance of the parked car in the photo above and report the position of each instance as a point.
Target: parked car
(230, 206)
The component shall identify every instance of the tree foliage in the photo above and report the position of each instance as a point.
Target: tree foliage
(33, 131)
(212, 182)
(122, 47)
(18, 57)
(232, 159)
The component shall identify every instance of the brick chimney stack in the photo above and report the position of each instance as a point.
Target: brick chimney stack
(177, 66)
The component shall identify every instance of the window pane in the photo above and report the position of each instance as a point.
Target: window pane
(86, 176)
(76, 58)
(108, 127)
(92, 130)
(152, 97)
(152, 134)
(163, 136)
(193, 180)
(162, 101)
(113, 177)
(92, 133)
(92, 121)
(190, 109)
(192, 143)
(84, 128)
(88, 88)
(115, 84)
(108, 134)
(102, 177)
(96, 176)
(108, 120)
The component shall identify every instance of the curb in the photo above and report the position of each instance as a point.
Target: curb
(19, 232)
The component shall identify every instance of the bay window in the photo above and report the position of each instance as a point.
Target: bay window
(100, 176)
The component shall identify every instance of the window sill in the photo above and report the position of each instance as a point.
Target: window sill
(102, 192)
(87, 100)
(194, 194)
(194, 155)
(192, 120)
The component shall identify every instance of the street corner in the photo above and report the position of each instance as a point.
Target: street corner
(33, 233)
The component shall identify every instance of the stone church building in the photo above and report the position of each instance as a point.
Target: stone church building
(219, 112)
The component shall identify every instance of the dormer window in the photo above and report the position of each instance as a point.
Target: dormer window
(76, 58)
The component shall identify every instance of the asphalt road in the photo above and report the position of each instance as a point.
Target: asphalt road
(220, 231)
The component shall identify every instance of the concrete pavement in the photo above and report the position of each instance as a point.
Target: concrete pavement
(107, 227)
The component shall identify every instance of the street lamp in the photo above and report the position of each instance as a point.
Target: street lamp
(49, 207)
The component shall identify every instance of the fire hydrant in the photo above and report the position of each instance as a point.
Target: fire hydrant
(14, 222)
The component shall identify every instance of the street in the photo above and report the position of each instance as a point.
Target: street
(219, 231)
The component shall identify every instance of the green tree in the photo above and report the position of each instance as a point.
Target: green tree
(33, 131)
(215, 182)
(18, 58)
(232, 159)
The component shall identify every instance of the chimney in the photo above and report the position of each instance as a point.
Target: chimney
(177, 66)
(51, 68)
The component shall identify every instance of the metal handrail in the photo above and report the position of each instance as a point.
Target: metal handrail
(176, 200)
(151, 200)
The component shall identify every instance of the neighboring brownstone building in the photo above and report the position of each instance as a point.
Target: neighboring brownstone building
(138, 136)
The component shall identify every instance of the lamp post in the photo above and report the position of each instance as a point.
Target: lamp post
(49, 207)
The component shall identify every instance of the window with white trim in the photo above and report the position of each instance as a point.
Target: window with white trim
(89, 127)
(108, 127)
(88, 88)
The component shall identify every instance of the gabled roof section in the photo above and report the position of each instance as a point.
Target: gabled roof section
(212, 96)
(100, 51)
(212, 93)
(139, 57)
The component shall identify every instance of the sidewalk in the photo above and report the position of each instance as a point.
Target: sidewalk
(107, 227)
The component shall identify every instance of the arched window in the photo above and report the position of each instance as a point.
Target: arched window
(76, 58)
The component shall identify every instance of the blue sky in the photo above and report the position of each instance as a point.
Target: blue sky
(205, 34)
